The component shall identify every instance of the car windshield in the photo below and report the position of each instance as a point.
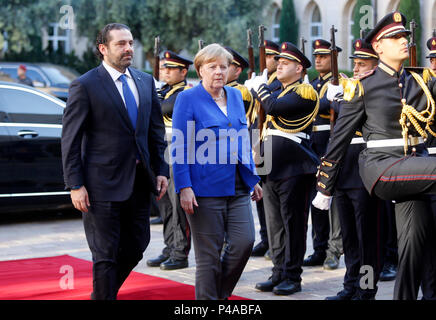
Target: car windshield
(59, 75)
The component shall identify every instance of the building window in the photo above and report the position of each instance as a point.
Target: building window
(276, 27)
(58, 38)
(315, 27)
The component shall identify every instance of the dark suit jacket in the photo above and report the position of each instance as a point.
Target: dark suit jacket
(99, 144)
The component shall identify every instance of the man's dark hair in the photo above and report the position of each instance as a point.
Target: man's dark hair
(103, 36)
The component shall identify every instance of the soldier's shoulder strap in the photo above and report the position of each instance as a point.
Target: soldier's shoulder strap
(306, 91)
(351, 84)
(426, 73)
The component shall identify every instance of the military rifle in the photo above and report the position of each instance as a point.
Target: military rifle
(412, 45)
(250, 53)
(335, 72)
(200, 44)
(156, 58)
(262, 65)
(303, 51)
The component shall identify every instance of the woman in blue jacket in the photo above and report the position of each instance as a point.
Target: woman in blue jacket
(214, 173)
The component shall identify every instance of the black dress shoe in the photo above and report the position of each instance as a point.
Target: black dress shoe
(287, 287)
(157, 220)
(315, 259)
(172, 264)
(342, 295)
(157, 261)
(266, 286)
(362, 295)
(389, 272)
(259, 250)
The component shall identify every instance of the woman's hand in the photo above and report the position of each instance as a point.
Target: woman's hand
(187, 200)
(257, 193)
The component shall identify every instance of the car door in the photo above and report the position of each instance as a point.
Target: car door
(4, 157)
(34, 123)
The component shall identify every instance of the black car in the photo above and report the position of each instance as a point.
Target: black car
(30, 150)
(51, 78)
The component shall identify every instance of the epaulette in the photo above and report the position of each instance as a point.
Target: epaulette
(306, 91)
(246, 95)
(426, 73)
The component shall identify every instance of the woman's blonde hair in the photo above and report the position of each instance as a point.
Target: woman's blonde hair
(210, 53)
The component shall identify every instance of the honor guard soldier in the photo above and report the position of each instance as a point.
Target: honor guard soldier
(431, 45)
(238, 65)
(176, 230)
(395, 107)
(271, 50)
(358, 214)
(321, 228)
(290, 112)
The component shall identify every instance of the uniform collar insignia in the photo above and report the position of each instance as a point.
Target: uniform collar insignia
(326, 76)
(389, 70)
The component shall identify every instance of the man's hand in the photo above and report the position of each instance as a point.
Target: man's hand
(322, 201)
(259, 80)
(161, 186)
(257, 193)
(187, 200)
(249, 82)
(80, 199)
(333, 90)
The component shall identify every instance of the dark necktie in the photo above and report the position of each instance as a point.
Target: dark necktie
(130, 101)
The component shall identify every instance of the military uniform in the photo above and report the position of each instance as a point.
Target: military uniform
(177, 237)
(271, 48)
(290, 113)
(358, 211)
(396, 112)
(322, 219)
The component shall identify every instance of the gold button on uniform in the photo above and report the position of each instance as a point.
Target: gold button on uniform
(400, 85)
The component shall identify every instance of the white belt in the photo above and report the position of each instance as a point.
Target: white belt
(393, 142)
(292, 136)
(357, 141)
(322, 127)
(431, 150)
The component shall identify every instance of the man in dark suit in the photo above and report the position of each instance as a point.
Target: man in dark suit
(113, 158)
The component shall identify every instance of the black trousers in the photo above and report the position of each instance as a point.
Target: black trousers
(176, 230)
(287, 204)
(320, 226)
(359, 219)
(261, 215)
(408, 182)
(388, 233)
(117, 234)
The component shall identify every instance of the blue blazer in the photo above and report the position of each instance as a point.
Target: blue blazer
(208, 146)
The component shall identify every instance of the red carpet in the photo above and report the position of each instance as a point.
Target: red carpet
(42, 279)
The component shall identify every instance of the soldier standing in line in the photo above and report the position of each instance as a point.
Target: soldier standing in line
(271, 50)
(358, 212)
(431, 45)
(176, 230)
(395, 107)
(287, 188)
(327, 242)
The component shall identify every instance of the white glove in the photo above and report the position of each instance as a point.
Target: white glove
(259, 80)
(321, 201)
(333, 90)
(158, 84)
(306, 79)
(249, 82)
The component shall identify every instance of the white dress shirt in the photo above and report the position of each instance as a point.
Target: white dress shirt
(115, 74)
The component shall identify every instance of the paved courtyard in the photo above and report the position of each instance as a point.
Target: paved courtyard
(64, 234)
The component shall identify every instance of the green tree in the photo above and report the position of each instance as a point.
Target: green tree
(411, 9)
(288, 23)
(179, 23)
